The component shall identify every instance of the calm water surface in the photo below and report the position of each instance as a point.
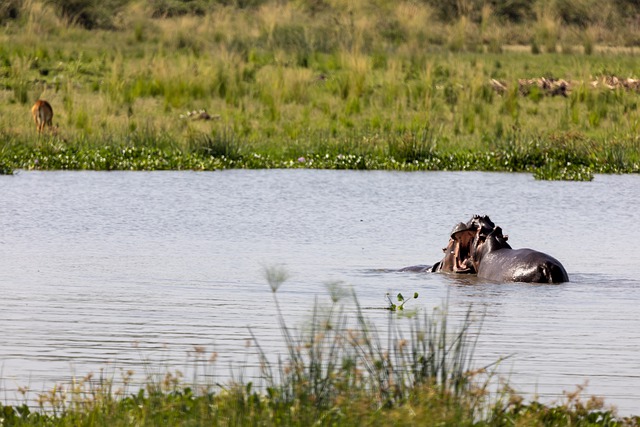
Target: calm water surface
(133, 270)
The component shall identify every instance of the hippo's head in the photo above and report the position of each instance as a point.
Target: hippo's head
(457, 253)
(481, 224)
(468, 243)
(484, 243)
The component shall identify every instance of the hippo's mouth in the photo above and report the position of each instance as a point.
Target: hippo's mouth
(462, 254)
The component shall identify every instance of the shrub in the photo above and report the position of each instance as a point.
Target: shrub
(90, 14)
(628, 8)
(10, 9)
(577, 12)
(242, 4)
(170, 8)
(289, 37)
(514, 10)
(217, 144)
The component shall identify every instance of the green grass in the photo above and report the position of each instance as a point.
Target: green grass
(337, 370)
(284, 82)
(405, 152)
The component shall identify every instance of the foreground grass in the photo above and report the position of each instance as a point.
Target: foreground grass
(287, 87)
(244, 407)
(338, 370)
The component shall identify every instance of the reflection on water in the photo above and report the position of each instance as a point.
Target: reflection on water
(119, 269)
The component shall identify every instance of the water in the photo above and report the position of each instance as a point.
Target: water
(133, 270)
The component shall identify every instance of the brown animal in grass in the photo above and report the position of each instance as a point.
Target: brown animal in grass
(42, 114)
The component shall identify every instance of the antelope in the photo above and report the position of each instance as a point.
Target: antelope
(42, 114)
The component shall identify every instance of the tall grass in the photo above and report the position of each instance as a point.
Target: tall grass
(284, 82)
(332, 357)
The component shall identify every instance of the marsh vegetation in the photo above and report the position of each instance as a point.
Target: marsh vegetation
(324, 84)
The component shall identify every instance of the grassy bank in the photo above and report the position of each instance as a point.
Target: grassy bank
(337, 370)
(282, 83)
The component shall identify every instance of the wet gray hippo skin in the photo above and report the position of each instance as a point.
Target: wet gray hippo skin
(494, 259)
(419, 268)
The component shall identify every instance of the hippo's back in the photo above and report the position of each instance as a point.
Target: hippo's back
(521, 265)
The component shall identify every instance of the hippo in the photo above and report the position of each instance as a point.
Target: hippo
(494, 259)
(479, 247)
